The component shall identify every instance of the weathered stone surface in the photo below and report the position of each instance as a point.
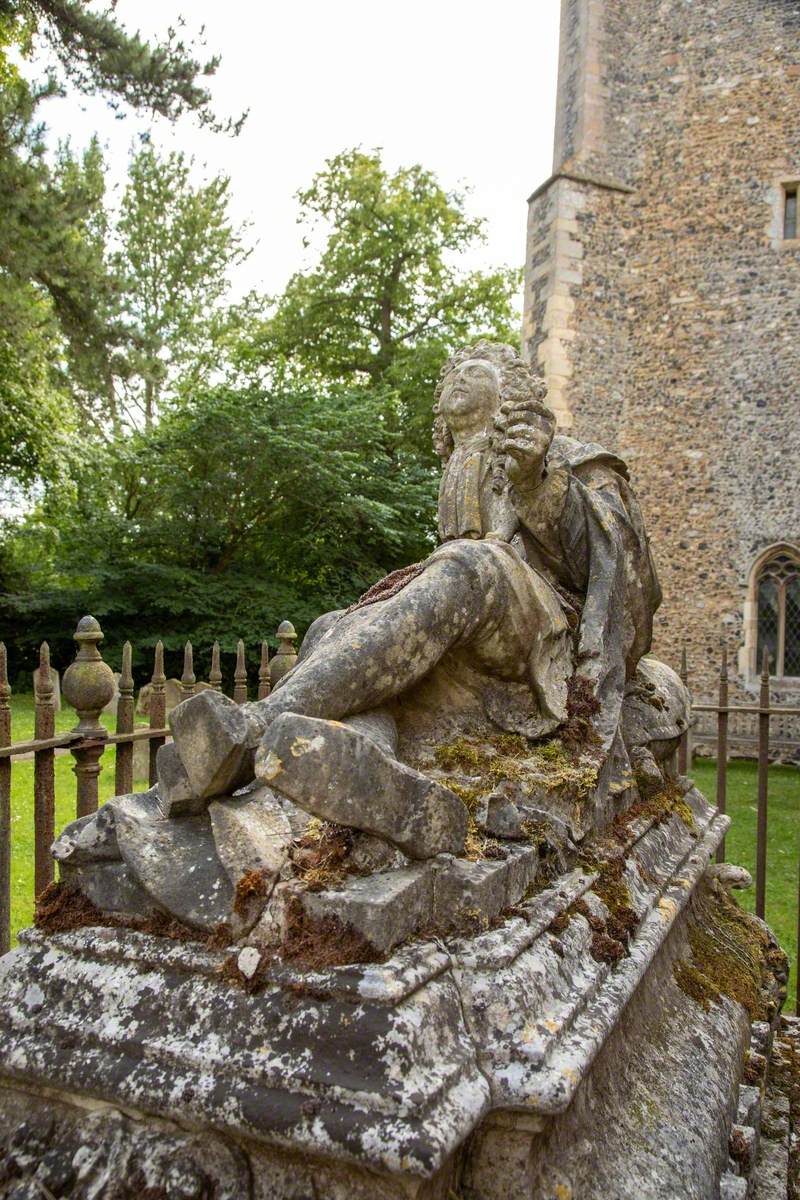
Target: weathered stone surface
(248, 960)
(497, 1063)
(111, 886)
(749, 1108)
(251, 833)
(177, 864)
(370, 853)
(93, 838)
(732, 1187)
(469, 891)
(408, 1056)
(522, 866)
(370, 1064)
(211, 733)
(656, 707)
(341, 775)
(89, 839)
(647, 103)
(386, 909)
(65, 1151)
(174, 789)
(271, 929)
(498, 815)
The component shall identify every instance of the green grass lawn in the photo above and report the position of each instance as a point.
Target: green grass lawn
(22, 719)
(783, 842)
(783, 849)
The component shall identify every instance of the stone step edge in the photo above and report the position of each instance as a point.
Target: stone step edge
(484, 952)
(545, 1092)
(385, 984)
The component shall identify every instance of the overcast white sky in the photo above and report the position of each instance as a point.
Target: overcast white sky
(467, 90)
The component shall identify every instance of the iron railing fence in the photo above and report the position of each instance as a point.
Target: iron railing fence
(764, 713)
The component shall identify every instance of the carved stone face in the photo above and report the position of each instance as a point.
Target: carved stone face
(470, 398)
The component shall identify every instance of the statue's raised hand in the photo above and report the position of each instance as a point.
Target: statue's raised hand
(523, 432)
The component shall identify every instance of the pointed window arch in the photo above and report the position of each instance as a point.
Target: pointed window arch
(778, 612)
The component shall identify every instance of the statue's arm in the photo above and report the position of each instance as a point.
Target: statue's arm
(586, 529)
(604, 637)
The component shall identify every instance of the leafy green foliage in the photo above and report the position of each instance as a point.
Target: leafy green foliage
(54, 288)
(243, 506)
(386, 302)
(238, 470)
(176, 247)
(60, 327)
(98, 55)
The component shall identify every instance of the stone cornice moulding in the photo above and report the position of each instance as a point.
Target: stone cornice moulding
(610, 185)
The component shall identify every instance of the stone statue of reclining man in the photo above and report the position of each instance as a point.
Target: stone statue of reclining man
(543, 574)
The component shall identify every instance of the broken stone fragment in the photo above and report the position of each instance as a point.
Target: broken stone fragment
(271, 928)
(385, 909)
(174, 789)
(462, 889)
(465, 890)
(211, 734)
(499, 816)
(94, 837)
(251, 833)
(339, 774)
(110, 886)
(177, 864)
(297, 817)
(248, 961)
(89, 839)
(369, 854)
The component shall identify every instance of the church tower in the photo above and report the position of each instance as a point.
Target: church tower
(662, 302)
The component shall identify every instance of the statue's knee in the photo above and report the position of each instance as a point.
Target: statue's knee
(475, 558)
(317, 630)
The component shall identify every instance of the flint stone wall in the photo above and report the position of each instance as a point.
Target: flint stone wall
(665, 317)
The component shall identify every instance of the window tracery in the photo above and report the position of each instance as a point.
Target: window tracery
(778, 613)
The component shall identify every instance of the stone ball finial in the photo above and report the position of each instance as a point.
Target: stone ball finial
(88, 683)
(286, 655)
(87, 626)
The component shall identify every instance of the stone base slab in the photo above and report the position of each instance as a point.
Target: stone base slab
(508, 1065)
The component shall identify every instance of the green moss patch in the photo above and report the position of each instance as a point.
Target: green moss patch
(729, 955)
(665, 804)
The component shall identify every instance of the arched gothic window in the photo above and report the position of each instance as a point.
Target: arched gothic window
(778, 598)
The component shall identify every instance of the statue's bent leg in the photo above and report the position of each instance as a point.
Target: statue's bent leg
(368, 657)
(376, 653)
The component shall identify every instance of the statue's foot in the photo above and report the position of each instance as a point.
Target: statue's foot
(339, 774)
(214, 739)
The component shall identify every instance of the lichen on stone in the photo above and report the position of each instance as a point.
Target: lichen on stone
(533, 766)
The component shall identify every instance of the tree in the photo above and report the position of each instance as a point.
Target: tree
(386, 302)
(54, 288)
(58, 331)
(239, 508)
(99, 56)
(176, 247)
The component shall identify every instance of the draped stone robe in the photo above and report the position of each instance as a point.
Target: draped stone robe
(582, 529)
